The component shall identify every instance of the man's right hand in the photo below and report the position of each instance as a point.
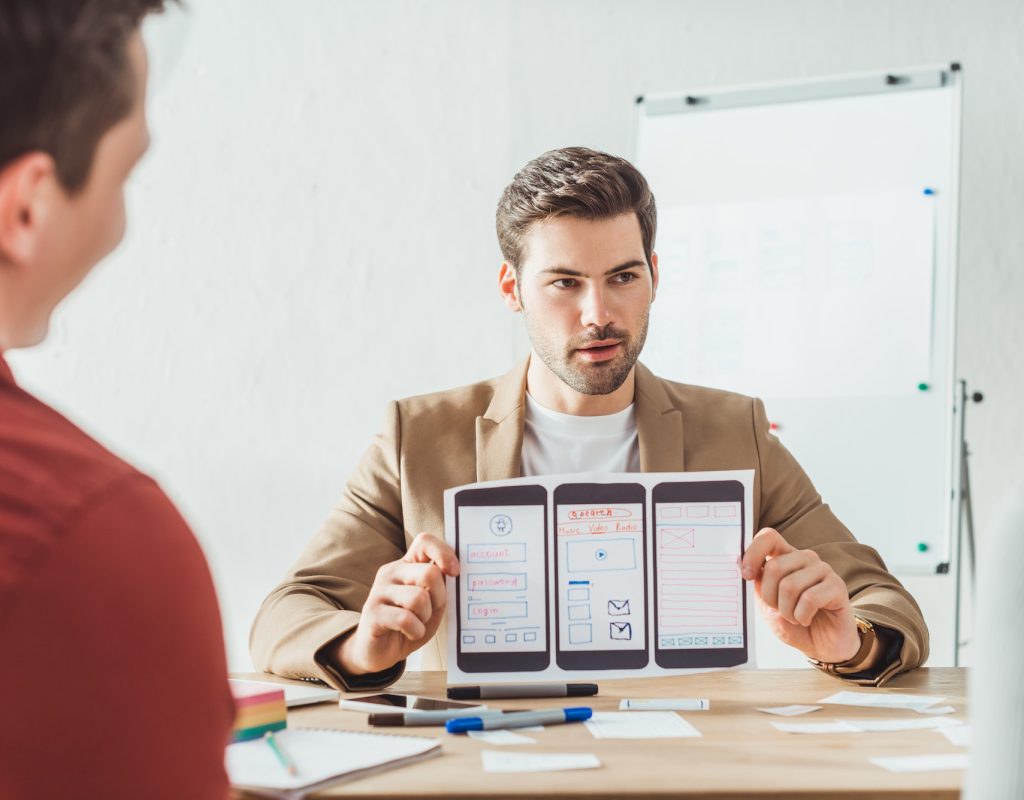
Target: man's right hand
(403, 610)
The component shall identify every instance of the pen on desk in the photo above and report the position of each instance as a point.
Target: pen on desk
(494, 691)
(552, 716)
(275, 745)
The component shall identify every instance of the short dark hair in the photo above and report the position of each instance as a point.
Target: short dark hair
(65, 78)
(575, 182)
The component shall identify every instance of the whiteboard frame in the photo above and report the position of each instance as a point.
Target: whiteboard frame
(949, 76)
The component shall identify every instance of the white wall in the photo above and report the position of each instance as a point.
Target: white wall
(312, 233)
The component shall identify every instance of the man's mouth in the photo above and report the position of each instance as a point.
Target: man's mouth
(600, 350)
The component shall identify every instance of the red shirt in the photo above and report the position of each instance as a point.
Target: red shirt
(112, 670)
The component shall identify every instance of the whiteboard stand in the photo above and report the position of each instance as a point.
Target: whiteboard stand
(965, 520)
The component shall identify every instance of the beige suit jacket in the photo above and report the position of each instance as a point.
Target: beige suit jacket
(475, 433)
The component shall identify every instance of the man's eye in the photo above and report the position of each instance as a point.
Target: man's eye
(565, 283)
(625, 277)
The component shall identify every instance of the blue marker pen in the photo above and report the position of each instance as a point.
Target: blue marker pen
(523, 719)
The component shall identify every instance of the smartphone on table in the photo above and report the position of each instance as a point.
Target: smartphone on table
(378, 703)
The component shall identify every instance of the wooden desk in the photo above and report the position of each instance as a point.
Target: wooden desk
(739, 756)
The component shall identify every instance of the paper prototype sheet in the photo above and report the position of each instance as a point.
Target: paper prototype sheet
(594, 576)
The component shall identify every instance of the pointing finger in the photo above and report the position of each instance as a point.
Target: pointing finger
(768, 543)
(427, 547)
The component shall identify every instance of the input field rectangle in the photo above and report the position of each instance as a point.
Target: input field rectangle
(581, 633)
(495, 553)
(496, 610)
(579, 593)
(579, 612)
(699, 606)
(696, 590)
(684, 570)
(717, 629)
(600, 554)
(497, 581)
(696, 620)
(697, 574)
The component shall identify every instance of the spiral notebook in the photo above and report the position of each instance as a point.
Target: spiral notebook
(322, 757)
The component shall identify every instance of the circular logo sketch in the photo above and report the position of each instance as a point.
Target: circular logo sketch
(501, 525)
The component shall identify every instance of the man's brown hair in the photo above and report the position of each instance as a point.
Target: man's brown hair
(65, 78)
(573, 182)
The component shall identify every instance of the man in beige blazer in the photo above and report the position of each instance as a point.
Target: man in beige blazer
(577, 231)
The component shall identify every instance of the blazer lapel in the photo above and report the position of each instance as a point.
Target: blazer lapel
(659, 424)
(499, 432)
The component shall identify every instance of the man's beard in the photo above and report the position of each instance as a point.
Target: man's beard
(592, 378)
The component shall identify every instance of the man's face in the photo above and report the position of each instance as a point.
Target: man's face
(586, 291)
(75, 231)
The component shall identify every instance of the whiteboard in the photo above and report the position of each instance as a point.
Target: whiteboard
(807, 242)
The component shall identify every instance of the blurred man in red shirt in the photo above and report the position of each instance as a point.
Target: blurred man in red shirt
(112, 671)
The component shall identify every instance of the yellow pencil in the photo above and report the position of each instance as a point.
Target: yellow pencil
(275, 745)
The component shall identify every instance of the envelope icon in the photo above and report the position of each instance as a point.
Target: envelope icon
(620, 630)
(618, 608)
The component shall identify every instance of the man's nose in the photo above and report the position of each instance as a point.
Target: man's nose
(595, 310)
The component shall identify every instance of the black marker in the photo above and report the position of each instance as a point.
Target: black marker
(522, 690)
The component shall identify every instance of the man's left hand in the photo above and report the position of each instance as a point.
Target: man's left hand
(806, 604)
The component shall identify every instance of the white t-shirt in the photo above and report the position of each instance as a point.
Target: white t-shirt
(555, 443)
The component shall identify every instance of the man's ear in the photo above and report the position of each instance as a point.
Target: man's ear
(508, 286)
(654, 275)
(26, 186)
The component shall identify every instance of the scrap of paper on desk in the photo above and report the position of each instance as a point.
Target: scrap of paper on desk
(790, 711)
(917, 724)
(913, 702)
(640, 725)
(933, 710)
(931, 763)
(867, 725)
(835, 726)
(959, 735)
(623, 575)
(500, 737)
(495, 761)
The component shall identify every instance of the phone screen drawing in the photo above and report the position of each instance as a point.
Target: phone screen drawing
(600, 567)
(699, 595)
(502, 588)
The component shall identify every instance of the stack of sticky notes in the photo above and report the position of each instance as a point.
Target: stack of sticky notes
(258, 709)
